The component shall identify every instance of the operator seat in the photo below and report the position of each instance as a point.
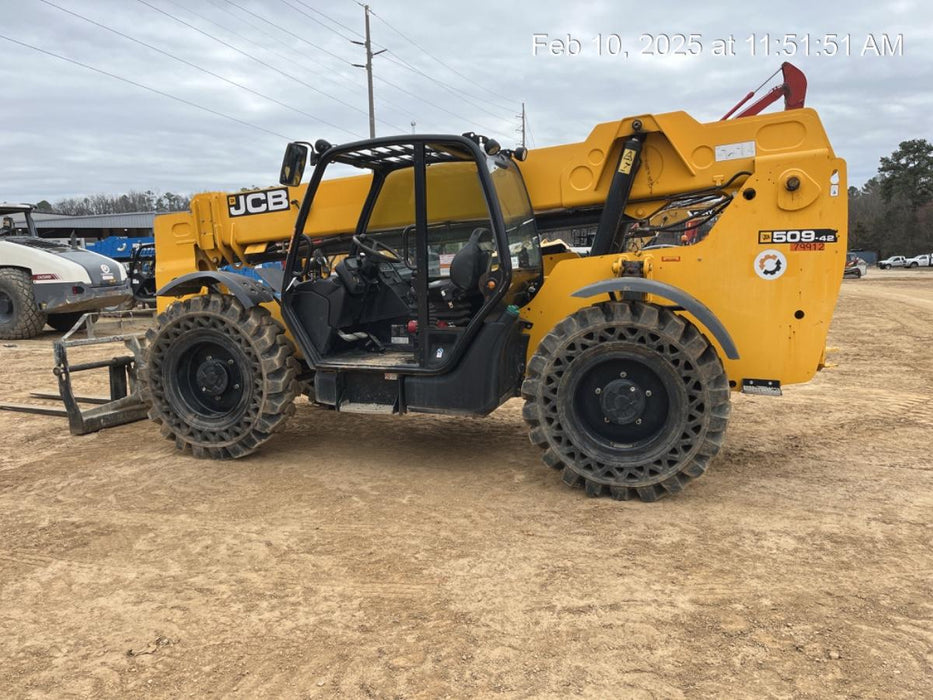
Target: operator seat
(468, 266)
(460, 295)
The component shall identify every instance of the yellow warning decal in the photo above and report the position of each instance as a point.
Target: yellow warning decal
(628, 158)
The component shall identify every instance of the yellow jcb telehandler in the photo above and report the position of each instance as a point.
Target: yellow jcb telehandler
(623, 286)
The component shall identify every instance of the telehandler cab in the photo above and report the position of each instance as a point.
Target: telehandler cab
(437, 281)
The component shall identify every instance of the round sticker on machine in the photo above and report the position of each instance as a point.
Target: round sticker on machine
(770, 264)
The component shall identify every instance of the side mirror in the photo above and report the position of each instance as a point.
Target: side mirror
(293, 164)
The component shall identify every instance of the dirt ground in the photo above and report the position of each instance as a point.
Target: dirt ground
(429, 557)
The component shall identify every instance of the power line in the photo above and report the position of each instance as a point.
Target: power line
(197, 67)
(282, 56)
(255, 58)
(448, 67)
(397, 87)
(317, 21)
(283, 29)
(144, 87)
(398, 60)
(531, 134)
(368, 11)
(331, 19)
(443, 109)
(341, 85)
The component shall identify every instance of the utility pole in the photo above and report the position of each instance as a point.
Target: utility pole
(369, 71)
(522, 115)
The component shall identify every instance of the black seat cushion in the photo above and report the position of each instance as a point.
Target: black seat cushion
(468, 266)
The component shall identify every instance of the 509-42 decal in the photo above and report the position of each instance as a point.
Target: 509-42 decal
(804, 235)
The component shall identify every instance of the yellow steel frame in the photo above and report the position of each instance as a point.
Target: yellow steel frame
(779, 168)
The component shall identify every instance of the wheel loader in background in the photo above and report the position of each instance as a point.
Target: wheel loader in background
(439, 280)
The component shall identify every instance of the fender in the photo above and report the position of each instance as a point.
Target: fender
(248, 291)
(688, 303)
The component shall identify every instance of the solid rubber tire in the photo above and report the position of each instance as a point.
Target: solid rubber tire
(263, 358)
(664, 462)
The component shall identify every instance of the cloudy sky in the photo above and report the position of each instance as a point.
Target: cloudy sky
(185, 96)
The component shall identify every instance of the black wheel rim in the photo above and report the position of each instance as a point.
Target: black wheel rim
(214, 381)
(622, 451)
(622, 400)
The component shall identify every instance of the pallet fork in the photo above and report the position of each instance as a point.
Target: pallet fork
(125, 404)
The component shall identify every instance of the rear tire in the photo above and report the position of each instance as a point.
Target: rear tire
(627, 399)
(221, 378)
(64, 322)
(20, 317)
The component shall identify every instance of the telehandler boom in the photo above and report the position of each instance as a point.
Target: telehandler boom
(440, 280)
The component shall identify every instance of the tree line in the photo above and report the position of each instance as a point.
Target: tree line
(892, 213)
(130, 202)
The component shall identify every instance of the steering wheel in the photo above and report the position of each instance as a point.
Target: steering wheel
(378, 250)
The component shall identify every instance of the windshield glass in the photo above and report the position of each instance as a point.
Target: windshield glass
(524, 245)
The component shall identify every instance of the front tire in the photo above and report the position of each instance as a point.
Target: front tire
(20, 317)
(627, 399)
(221, 378)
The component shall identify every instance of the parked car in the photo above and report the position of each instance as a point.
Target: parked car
(855, 266)
(893, 261)
(922, 260)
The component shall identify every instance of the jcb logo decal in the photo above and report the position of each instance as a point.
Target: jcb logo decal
(260, 202)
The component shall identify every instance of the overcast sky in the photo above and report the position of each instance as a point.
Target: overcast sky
(281, 69)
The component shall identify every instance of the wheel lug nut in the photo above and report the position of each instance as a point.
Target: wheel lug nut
(605, 419)
(230, 361)
(204, 389)
(210, 357)
(631, 388)
(648, 393)
(236, 386)
(623, 375)
(638, 421)
(598, 391)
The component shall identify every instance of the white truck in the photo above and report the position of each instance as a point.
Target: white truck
(48, 282)
(893, 261)
(922, 260)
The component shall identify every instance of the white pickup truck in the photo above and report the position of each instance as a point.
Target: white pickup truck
(47, 282)
(893, 261)
(922, 260)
